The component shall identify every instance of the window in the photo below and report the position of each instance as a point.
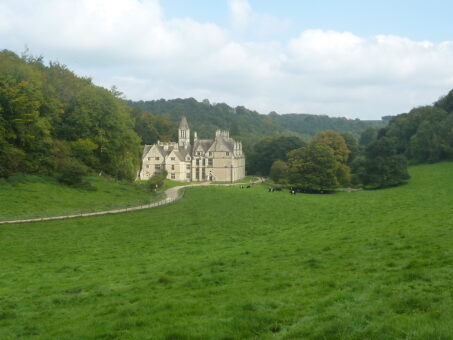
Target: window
(147, 166)
(198, 162)
(227, 153)
(173, 176)
(188, 175)
(172, 158)
(188, 166)
(149, 158)
(210, 154)
(157, 158)
(173, 167)
(209, 161)
(157, 166)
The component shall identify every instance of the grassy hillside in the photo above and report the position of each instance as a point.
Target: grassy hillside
(231, 263)
(28, 196)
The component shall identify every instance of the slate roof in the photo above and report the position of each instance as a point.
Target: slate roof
(222, 144)
(205, 144)
(183, 124)
(146, 150)
(184, 152)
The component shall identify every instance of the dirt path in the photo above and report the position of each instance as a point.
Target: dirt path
(171, 195)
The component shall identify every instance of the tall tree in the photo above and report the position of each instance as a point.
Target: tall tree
(270, 149)
(383, 166)
(336, 142)
(313, 167)
(279, 171)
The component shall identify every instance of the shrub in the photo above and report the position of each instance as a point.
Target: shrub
(72, 172)
(157, 180)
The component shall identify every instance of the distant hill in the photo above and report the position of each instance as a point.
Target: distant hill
(307, 124)
(205, 118)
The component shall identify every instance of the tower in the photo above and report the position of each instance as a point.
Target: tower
(183, 133)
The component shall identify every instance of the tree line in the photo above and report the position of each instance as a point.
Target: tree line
(247, 125)
(53, 122)
(378, 158)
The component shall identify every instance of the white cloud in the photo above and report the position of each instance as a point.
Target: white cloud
(134, 45)
(240, 13)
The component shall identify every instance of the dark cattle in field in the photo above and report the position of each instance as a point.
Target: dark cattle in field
(248, 186)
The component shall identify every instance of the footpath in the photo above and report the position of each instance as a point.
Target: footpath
(171, 195)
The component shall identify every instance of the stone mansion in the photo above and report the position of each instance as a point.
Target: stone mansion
(218, 160)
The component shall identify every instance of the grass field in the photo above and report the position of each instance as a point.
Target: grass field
(231, 263)
(37, 196)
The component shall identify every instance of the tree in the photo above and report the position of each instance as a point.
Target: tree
(270, 149)
(152, 128)
(279, 171)
(446, 102)
(313, 167)
(336, 142)
(48, 115)
(368, 136)
(425, 145)
(383, 166)
(352, 145)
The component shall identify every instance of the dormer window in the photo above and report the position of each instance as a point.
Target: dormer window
(227, 153)
(172, 158)
(157, 158)
(210, 154)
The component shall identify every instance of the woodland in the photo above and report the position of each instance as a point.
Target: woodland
(55, 123)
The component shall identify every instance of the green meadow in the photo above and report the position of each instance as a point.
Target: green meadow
(29, 196)
(231, 263)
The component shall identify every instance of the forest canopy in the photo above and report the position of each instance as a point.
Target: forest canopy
(52, 120)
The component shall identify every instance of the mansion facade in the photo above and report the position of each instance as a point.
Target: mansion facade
(220, 159)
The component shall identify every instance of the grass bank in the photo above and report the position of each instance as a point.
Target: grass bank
(29, 196)
(231, 263)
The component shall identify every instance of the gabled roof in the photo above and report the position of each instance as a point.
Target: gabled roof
(147, 148)
(202, 144)
(185, 152)
(181, 153)
(222, 144)
(183, 124)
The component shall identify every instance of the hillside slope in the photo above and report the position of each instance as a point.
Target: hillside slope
(243, 264)
(205, 118)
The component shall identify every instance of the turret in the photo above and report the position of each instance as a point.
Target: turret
(183, 133)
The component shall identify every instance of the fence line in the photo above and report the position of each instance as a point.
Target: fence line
(177, 193)
(167, 200)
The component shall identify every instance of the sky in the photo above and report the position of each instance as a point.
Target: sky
(349, 58)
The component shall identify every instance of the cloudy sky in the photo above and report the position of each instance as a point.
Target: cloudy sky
(358, 59)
